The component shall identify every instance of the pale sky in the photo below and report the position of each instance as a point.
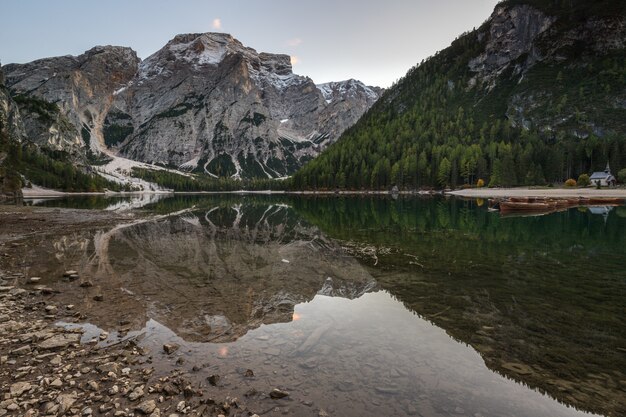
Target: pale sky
(330, 40)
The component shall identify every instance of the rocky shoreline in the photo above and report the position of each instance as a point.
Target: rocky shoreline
(51, 364)
(48, 369)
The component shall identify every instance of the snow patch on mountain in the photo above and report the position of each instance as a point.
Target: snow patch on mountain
(347, 89)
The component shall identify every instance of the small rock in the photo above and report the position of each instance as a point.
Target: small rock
(86, 284)
(87, 411)
(213, 379)
(51, 309)
(170, 348)
(98, 297)
(93, 385)
(249, 373)
(57, 383)
(59, 341)
(277, 394)
(136, 394)
(66, 401)
(146, 407)
(24, 350)
(34, 280)
(19, 388)
(105, 368)
(170, 389)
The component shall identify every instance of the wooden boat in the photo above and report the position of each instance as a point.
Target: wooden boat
(566, 202)
(605, 200)
(510, 206)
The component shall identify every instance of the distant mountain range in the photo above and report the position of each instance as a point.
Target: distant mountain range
(535, 95)
(203, 103)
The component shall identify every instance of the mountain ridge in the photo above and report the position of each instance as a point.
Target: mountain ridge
(204, 103)
(528, 98)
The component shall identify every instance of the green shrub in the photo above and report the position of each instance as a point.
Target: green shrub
(621, 175)
(583, 180)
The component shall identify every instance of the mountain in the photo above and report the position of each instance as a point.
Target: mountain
(38, 145)
(536, 94)
(64, 100)
(203, 103)
(11, 132)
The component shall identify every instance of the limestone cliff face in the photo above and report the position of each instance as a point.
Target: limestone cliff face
(523, 35)
(204, 103)
(11, 130)
(510, 34)
(64, 100)
(519, 39)
(207, 103)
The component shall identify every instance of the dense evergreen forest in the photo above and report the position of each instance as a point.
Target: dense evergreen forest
(433, 129)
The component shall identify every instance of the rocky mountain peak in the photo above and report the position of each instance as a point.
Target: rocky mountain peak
(349, 89)
(203, 48)
(511, 33)
(203, 102)
(278, 64)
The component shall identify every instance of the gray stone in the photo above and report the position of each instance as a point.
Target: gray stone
(136, 394)
(105, 368)
(277, 393)
(66, 401)
(170, 348)
(19, 388)
(59, 341)
(146, 407)
(21, 351)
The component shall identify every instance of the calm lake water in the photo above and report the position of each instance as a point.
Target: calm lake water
(364, 306)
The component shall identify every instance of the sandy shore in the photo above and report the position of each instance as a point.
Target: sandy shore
(539, 192)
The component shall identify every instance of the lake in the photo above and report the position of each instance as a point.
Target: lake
(363, 306)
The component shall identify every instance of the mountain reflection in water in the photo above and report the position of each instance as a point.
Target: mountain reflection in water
(540, 300)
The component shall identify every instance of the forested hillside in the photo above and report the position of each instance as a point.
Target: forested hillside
(536, 95)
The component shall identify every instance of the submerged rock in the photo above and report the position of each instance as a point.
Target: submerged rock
(170, 348)
(278, 394)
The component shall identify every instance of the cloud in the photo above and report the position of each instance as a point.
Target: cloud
(217, 23)
(294, 42)
(295, 60)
